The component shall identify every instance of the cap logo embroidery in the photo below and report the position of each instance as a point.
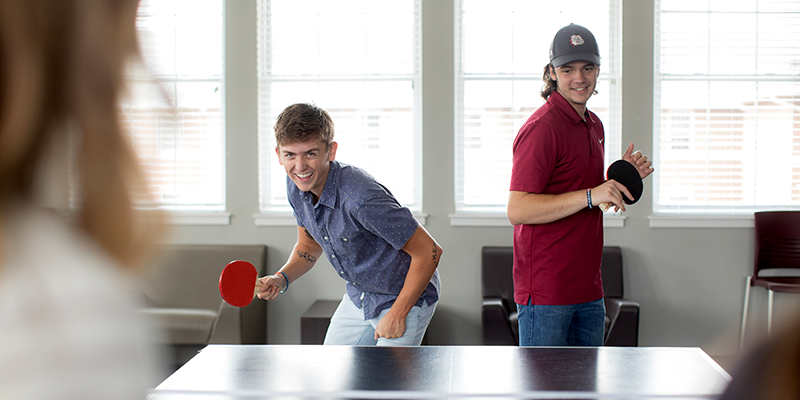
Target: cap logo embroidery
(576, 40)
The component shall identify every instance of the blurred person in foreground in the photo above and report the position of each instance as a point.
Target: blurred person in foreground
(771, 370)
(67, 325)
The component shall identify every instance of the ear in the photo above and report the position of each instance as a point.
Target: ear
(552, 73)
(278, 152)
(332, 151)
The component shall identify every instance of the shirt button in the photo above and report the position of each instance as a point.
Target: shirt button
(333, 255)
(341, 272)
(345, 239)
(362, 295)
(325, 237)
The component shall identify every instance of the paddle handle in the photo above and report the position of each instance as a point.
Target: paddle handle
(257, 288)
(605, 206)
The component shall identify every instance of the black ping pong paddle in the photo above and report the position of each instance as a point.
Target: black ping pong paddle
(625, 173)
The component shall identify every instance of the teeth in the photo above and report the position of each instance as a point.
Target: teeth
(306, 175)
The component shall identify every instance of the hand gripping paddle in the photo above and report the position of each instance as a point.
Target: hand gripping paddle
(238, 283)
(625, 173)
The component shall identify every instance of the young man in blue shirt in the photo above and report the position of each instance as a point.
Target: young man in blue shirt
(376, 245)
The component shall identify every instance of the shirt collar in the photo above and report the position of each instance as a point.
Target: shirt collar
(563, 105)
(328, 197)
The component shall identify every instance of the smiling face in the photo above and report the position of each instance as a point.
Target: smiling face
(307, 164)
(576, 82)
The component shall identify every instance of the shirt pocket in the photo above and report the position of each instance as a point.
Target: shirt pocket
(351, 249)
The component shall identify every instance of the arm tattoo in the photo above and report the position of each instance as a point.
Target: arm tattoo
(306, 256)
(435, 255)
(308, 234)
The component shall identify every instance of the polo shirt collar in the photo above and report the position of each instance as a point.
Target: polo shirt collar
(562, 104)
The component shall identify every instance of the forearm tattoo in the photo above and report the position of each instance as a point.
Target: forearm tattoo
(308, 235)
(435, 255)
(306, 256)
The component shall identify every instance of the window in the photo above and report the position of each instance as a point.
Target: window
(360, 61)
(177, 123)
(501, 50)
(727, 106)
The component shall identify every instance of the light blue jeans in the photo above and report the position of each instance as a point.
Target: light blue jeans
(570, 325)
(348, 326)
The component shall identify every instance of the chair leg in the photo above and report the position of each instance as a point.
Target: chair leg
(769, 315)
(744, 312)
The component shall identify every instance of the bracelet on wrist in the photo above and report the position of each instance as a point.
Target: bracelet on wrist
(287, 281)
(589, 197)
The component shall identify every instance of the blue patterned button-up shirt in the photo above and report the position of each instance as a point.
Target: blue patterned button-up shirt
(362, 229)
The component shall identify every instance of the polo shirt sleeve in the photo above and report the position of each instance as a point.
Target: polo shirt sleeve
(534, 157)
(384, 217)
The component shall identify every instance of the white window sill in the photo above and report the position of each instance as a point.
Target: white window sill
(501, 220)
(199, 218)
(196, 218)
(701, 221)
(287, 219)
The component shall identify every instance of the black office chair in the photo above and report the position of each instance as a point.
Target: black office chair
(499, 312)
(777, 247)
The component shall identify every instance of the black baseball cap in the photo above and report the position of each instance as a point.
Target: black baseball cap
(573, 43)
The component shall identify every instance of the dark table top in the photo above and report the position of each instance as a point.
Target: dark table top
(280, 371)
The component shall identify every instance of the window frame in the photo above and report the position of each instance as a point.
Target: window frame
(664, 216)
(611, 72)
(183, 214)
(275, 214)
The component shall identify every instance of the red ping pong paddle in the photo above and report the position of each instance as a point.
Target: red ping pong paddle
(625, 173)
(238, 283)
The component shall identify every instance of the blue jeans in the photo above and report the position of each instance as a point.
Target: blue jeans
(348, 326)
(570, 325)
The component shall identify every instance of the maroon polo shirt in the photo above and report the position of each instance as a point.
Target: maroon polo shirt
(556, 152)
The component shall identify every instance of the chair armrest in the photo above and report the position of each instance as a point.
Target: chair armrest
(495, 324)
(182, 326)
(624, 327)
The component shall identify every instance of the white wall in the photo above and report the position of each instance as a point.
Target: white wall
(689, 282)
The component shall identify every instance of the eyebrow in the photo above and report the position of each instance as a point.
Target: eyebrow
(315, 149)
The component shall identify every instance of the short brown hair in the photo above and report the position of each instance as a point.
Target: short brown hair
(303, 122)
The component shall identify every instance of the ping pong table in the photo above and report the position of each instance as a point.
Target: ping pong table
(434, 372)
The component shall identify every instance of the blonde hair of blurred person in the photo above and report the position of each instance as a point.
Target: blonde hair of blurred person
(65, 312)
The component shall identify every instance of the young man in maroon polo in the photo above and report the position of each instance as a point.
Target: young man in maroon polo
(556, 185)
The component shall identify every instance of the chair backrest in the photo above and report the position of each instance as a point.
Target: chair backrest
(611, 269)
(777, 237)
(497, 264)
(187, 276)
